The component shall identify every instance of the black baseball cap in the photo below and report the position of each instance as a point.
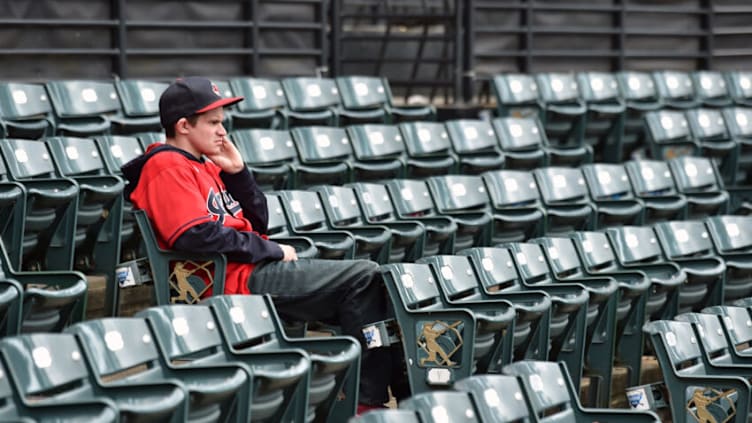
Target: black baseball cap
(190, 96)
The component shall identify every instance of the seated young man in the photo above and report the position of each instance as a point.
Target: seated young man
(200, 197)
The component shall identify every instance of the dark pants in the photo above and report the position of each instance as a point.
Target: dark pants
(347, 293)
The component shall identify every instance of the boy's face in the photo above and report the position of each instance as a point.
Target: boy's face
(208, 135)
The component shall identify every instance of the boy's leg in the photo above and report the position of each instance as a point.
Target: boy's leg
(348, 293)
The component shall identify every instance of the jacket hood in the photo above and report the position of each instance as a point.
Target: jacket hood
(132, 169)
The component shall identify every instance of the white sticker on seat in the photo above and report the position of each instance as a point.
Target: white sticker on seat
(458, 190)
(237, 315)
(21, 156)
(447, 273)
(19, 97)
(148, 95)
(267, 143)
(647, 173)
(407, 194)
(180, 326)
(511, 185)
(487, 263)
(89, 95)
(471, 132)
(407, 280)
(733, 230)
(113, 340)
(322, 140)
(313, 90)
(604, 177)
(259, 92)
(376, 138)
(515, 130)
(297, 208)
(424, 135)
(42, 358)
(632, 241)
(682, 235)
(116, 151)
(596, 84)
(667, 123)
(361, 89)
(690, 169)
(536, 382)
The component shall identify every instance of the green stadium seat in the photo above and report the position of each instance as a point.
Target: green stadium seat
(739, 123)
(306, 217)
(734, 319)
(695, 389)
(263, 104)
(611, 194)
(439, 341)
(474, 142)
(148, 138)
(715, 141)
(676, 89)
(412, 200)
(711, 89)
(139, 100)
(566, 200)
(640, 96)
(429, 150)
(606, 110)
(344, 212)
(516, 95)
(653, 184)
(551, 397)
(378, 145)
(498, 398)
(370, 93)
(515, 202)
(100, 204)
(443, 406)
(25, 111)
(697, 179)
(49, 378)
(278, 230)
(83, 108)
(669, 135)
(311, 101)
(522, 140)
(269, 154)
(464, 199)
(178, 277)
(188, 337)
(564, 113)
(386, 415)
(12, 215)
(324, 154)
(127, 346)
(421, 235)
(494, 276)
(250, 324)
(572, 314)
(740, 87)
(51, 205)
(731, 240)
(716, 351)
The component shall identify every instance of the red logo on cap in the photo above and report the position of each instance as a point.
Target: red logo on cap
(215, 89)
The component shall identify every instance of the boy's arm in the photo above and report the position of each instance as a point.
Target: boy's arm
(245, 191)
(239, 246)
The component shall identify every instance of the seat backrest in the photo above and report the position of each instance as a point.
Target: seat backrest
(415, 284)
(674, 85)
(684, 238)
(452, 193)
(116, 345)
(310, 94)
(736, 322)
(425, 138)
(304, 210)
(321, 143)
(442, 406)
(707, 124)
(650, 178)
(607, 181)
(595, 250)
(76, 156)
(739, 121)
(710, 330)
(259, 93)
(511, 188)
(635, 244)
(246, 321)
(21, 100)
(469, 136)
(361, 92)
(598, 87)
(561, 185)
(680, 345)
(562, 256)
(668, 126)
(264, 146)
(730, 233)
(341, 205)
(411, 197)
(494, 268)
(277, 225)
(709, 85)
(28, 159)
(46, 364)
(531, 263)
(637, 86)
(515, 89)
(139, 97)
(455, 275)
(694, 174)
(184, 332)
(497, 397)
(545, 385)
(79, 98)
(740, 85)
(519, 133)
(375, 200)
(374, 141)
(118, 150)
(558, 87)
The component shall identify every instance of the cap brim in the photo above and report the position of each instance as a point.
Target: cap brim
(220, 103)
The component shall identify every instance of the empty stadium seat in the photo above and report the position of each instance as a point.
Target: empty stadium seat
(464, 199)
(606, 110)
(669, 135)
(740, 87)
(310, 101)
(714, 140)
(564, 113)
(83, 108)
(25, 111)
(474, 142)
(653, 184)
(263, 104)
(731, 240)
(139, 100)
(269, 154)
(698, 180)
(522, 140)
(516, 202)
(324, 154)
(676, 89)
(278, 230)
(493, 394)
(516, 95)
(611, 194)
(443, 406)
(373, 93)
(429, 150)
(739, 123)
(711, 89)
(640, 96)
(565, 198)
(378, 146)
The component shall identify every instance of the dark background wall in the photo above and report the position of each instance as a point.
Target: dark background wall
(444, 49)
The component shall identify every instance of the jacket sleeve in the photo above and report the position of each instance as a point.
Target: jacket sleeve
(245, 191)
(239, 246)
